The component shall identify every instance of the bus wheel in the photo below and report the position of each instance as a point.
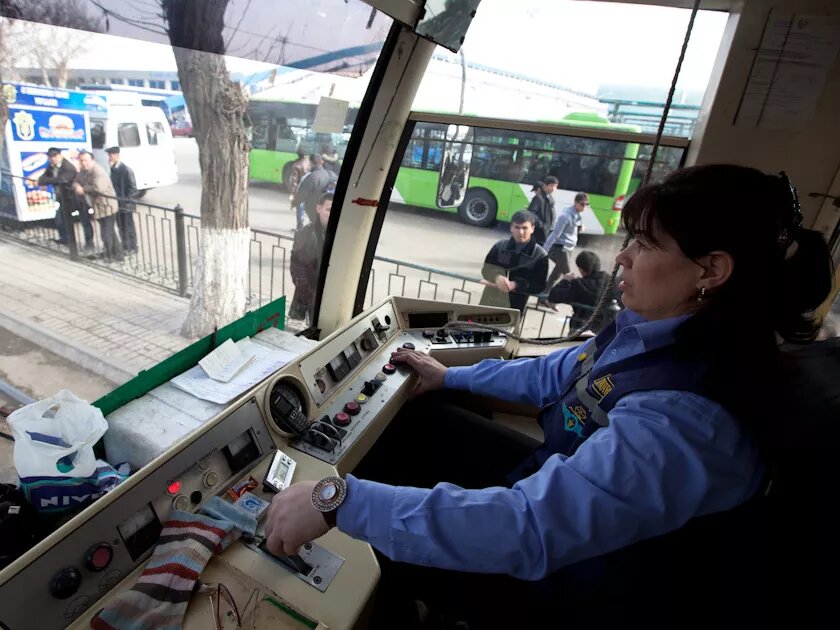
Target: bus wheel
(479, 208)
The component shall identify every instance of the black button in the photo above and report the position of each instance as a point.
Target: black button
(408, 346)
(428, 334)
(195, 497)
(65, 583)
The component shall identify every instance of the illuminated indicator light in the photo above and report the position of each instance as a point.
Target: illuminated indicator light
(174, 487)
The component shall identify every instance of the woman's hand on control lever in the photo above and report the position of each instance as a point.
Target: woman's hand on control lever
(292, 520)
(430, 371)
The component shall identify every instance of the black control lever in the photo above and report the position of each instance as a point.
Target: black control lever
(293, 562)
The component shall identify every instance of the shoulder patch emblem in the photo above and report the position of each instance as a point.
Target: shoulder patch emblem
(604, 386)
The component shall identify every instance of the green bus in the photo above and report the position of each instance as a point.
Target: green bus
(502, 167)
(506, 164)
(279, 129)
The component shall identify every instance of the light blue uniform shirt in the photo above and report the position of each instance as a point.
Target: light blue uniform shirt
(565, 232)
(666, 457)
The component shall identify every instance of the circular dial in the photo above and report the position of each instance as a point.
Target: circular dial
(288, 408)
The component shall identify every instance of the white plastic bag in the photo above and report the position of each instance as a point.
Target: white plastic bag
(54, 437)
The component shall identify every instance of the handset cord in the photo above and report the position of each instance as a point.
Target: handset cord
(608, 287)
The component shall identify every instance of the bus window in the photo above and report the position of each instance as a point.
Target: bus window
(259, 131)
(154, 132)
(97, 134)
(285, 138)
(128, 135)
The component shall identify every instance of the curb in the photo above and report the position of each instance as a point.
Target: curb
(107, 368)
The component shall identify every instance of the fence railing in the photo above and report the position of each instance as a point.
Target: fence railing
(168, 241)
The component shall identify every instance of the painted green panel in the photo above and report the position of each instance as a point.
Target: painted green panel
(602, 208)
(267, 166)
(418, 187)
(272, 315)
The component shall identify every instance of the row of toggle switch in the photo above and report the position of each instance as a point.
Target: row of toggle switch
(459, 336)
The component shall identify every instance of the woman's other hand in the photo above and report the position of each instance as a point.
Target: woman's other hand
(431, 371)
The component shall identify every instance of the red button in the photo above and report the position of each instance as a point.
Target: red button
(341, 419)
(99, 556)
(353, 408)
(389, 368)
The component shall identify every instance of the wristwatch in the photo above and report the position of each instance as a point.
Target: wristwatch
(327, 495)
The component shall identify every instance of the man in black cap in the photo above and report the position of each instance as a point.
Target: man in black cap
(318, 181)
(60, 175)
(122, 177)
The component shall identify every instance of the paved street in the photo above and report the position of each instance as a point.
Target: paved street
(423, 237)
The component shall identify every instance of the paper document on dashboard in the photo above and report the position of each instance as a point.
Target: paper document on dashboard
(226, 361)
(266, 361)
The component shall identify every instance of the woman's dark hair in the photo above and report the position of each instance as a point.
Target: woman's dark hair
(588, 262)
(781, 273)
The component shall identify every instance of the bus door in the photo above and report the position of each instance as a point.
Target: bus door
(454, 171)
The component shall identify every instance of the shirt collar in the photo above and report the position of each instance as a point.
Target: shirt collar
(654, 334)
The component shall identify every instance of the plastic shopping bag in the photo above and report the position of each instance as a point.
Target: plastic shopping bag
(55, 495)
(54, 437)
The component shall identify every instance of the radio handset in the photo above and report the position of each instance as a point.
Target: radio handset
(288, 417)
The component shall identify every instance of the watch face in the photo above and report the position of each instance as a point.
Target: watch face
(327, 492)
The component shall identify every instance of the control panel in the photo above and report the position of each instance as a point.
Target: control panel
(319, 413)
(367, 391)
(108, 544)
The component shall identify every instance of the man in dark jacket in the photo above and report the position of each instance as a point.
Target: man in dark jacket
(60, 175)
(542, 205)
(584, 292)
(122, 177)
(515, 267)
(316, 182)
(306, 260)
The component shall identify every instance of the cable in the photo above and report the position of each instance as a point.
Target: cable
(602, 300)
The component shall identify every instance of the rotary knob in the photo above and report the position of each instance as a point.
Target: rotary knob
(389, 368)
(341, 419)
(181, 503)
(352, 408)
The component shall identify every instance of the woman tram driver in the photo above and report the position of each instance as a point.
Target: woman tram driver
(659, 421)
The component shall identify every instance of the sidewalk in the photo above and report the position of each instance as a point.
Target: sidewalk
(108, 324)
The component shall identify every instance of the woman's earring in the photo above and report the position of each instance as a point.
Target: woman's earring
(702, 295)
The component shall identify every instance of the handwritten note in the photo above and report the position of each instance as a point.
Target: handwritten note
(266, 361)
(225, 361)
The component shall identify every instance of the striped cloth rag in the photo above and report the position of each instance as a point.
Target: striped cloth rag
(159, 599)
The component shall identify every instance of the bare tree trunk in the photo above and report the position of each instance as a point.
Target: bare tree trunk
(217, 107)
(61, 75)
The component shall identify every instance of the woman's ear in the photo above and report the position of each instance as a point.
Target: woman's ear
(717, 269)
